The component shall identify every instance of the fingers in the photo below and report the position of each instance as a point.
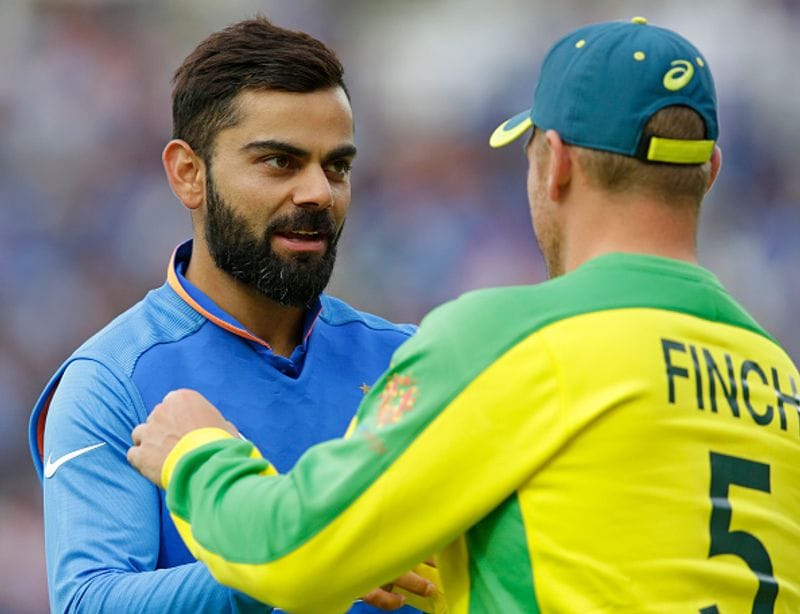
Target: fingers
(231, 428)
(189, 410)
(410, 582)
(182, 395)
(384, 600)
(416, 584)
(179, 413)
(136, 435)
(133, 456)
(142, 461)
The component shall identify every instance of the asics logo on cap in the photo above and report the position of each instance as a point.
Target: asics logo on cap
(678, 77)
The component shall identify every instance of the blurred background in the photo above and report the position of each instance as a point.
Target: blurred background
(87, 221)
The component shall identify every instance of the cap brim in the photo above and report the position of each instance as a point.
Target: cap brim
(511, 129)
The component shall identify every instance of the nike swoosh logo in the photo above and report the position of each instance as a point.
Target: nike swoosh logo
(51, 467)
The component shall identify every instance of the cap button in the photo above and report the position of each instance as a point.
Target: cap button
(639, 20)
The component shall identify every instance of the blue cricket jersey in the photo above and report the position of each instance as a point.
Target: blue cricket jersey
(110, 543)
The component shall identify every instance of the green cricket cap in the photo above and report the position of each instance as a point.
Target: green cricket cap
(600, 85)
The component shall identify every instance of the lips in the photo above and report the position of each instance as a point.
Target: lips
(301, 240)
(303, 235)
(303, 231)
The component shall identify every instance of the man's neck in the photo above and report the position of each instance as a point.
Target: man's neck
(280, 326)
(637, 226)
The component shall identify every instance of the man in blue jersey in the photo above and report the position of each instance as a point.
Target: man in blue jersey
(261, 155)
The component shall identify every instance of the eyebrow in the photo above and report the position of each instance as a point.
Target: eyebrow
(343, 151)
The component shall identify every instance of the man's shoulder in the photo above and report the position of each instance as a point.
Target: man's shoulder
(108, 358)
(160, 317)
(337, 313)
(490, 311)
(609, 282)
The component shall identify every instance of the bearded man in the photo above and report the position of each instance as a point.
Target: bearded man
(261, 155)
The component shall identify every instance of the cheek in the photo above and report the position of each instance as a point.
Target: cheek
(534, 195)
(545, 226)
(256, 200)
(531, 182)
(341, 191)
(341, 200)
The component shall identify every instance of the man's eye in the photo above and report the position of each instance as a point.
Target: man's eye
(340, 167)
(279, 162)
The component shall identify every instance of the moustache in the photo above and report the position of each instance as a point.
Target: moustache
(320, 222)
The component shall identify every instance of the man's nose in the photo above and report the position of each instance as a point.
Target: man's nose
(313, 189)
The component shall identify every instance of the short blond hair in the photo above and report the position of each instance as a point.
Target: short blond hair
(667, 182)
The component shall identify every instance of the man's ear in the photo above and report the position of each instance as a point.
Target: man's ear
(559, 170)
(186, 173)
(716, 164)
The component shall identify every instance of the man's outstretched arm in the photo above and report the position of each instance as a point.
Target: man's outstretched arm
(441, 441)
(185, 411)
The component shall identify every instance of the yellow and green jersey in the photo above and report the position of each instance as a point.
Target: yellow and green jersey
(624, 438)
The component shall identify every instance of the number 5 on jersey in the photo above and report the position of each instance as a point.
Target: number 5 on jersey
(727, 470)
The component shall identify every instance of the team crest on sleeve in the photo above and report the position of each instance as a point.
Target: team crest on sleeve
(397, 398)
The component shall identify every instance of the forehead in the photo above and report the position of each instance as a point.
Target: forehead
(322, 119)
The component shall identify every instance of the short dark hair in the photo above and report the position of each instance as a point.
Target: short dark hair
(250, 54)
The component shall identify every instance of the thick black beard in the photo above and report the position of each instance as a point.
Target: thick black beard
(296, 281)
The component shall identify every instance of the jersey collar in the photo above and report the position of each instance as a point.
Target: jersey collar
(200, 301)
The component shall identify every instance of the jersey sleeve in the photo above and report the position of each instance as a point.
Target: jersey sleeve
(437, 446)
(101, 519)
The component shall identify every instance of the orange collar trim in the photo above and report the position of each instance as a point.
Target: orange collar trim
(175, 284)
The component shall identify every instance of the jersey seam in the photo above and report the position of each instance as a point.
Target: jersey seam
(561, 389)
(156, 344)
(389, 327)
(124, 379)
(357, 317)
(545, 323)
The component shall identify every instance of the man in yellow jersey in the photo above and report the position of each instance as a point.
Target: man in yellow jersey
(621, 438)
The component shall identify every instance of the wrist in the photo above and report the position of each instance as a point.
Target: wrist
(192, 440)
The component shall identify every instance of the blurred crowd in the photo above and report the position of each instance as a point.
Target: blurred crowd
(87, 221)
